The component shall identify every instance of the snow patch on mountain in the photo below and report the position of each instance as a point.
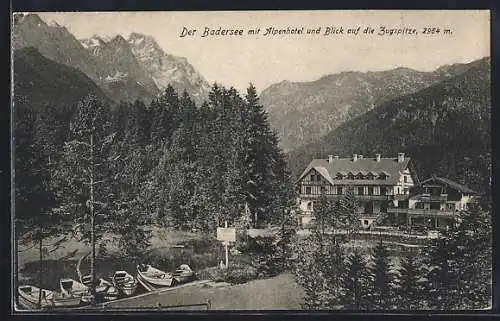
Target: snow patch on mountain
(168, 69)
(118, 76)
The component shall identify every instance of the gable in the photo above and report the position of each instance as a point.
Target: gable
(311, 175)
(441, 181)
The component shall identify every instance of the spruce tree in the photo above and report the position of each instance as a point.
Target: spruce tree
(322, 211)
(409, 293)
(347, 213)
(85, 177)
(382, 278)
(355, 283)
(334, 265)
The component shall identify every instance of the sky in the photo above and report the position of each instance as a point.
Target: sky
(264, 60)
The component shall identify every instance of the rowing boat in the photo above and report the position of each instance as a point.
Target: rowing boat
(125, 282)
(154, 276)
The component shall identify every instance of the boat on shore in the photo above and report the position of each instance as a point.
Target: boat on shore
(125, 282)
(184, 274)
(104, 290)
(28, 298)
(153, 276)
(70, 287)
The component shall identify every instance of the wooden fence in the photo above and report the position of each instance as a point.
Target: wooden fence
(398, 237)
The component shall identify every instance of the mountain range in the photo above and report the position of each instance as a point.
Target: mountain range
(439, 118)
(302, 112)
(445, 128)
(125, 69)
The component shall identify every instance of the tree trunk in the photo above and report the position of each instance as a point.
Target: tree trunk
(92, 223)
(40, 277)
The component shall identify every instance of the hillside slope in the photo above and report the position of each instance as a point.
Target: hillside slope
(40, 81)
(304, 112)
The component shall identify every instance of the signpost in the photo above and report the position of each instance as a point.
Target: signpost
(226, 235)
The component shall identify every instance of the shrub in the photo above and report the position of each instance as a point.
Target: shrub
(240, 274)
(213, 273)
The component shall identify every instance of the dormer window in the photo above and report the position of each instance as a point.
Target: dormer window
(350, 176)
(382, 176)
(313, 178)
(339, 176)
(370, 176)
(359, 176)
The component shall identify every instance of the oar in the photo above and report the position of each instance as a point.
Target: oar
(78, 271)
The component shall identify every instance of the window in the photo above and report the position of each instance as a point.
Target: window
(370, 176)
(313, 178)
(359, 176)
(405, 178)
(339, 190)
(382, 176)
(365, 222)
(370, 190)
(339, 176)
(350, 176)
(360, 190)
(308, 190)
(405, 191)
(309, 206)
(450, 206)
(383, 190)
(419, 205)
(318, 178)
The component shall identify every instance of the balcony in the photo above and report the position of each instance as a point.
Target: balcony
(398, 197)
(426, 197)
(421, 211)
(373, 197)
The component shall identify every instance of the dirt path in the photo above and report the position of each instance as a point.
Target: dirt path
(277, 293)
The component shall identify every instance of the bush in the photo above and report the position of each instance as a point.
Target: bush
(213, 273)
(268, 265)
(240, 274)
(236, 274)
(259, 244)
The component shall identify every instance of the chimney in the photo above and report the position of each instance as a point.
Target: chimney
(354, 157)
(330, 158)
(377, 157)
(401, 157)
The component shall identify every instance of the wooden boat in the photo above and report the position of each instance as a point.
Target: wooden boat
(125, 282)
(62, 300)
(70, 287)
(183, 274)
(28, 297)
(106, 290)
(86, 280)
(153, 276)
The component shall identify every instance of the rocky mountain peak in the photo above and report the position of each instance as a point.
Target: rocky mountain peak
(31, 19)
